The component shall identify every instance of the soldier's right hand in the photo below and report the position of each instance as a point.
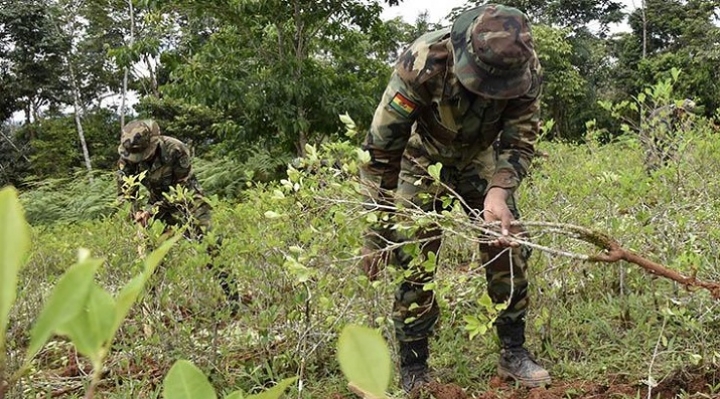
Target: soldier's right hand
(497, 210)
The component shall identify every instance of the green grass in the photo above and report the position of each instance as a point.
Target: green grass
(299, 271)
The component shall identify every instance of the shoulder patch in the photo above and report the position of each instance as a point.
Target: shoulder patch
(402, 105)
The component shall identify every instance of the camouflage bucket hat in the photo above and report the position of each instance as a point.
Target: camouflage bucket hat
(139, 140)
(493, 50)
(691, 106)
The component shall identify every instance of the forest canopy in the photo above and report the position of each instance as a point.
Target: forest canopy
(254, 81)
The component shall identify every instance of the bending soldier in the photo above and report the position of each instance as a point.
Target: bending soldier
(166, 162)
(664, 127)
(454, 95)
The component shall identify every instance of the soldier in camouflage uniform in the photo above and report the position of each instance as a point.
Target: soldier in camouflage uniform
(469, 98)
(166, 162)
(664, 126)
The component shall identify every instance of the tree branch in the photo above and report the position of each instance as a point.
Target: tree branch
(611, 249)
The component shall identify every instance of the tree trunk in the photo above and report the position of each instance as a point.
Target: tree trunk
(300, 57)
(78, 110)
(153, 77)
(302, 141)
(131, 12)
(641, 116)
(643, 4)
(27, 113)
(35, 106)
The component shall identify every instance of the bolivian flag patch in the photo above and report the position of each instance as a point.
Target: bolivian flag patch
(402, 105)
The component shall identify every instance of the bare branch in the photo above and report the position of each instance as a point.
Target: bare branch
(482, 232)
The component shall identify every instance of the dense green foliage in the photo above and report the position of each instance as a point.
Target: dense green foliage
(679, 35)
(251, 85)
(294, 246)
(253, 82)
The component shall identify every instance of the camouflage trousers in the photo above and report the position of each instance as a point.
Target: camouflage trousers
(415, 310)
(196, 217)
(198, 222)
(660, 151)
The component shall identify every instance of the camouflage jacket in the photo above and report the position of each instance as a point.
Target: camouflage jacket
(666, 121)
(169, 167)
(426, 115)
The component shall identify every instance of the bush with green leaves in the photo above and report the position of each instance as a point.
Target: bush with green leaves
(69, 200)
(77, 308)
(297, 270)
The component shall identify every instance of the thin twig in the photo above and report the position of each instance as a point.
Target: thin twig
(650, 382)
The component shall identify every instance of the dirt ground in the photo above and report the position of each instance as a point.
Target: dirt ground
(702, 382)
(691, 382)
(696, 383)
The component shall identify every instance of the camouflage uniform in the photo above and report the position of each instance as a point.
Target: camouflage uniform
(664, 126)
(469, 98)
(166, 162)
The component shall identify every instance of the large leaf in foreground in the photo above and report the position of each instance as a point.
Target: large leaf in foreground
(67, 299)
(91, 329)
(14, 245)
(185, 381)
(365, 359)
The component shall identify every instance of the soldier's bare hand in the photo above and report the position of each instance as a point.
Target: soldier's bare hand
(142, 218)
(497, 210)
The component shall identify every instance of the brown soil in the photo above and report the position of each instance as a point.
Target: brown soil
(438, 391)
(696, 381)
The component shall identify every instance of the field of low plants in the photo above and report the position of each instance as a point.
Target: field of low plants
(604, 330)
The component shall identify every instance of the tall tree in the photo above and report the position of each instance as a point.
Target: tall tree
(89, 29)
(670, 34)
(563, 87)
(32, 59)
(281, 71)
(576, 15)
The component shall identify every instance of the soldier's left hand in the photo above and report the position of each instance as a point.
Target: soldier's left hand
(373, 262)
(142, 218)
(497, 210)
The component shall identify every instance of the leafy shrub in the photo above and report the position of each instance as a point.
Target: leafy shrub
(227, 177)
(294, 247)
(70, 200)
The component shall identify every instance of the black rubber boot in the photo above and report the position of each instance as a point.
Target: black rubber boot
(515, 361)
(414, 370)
(229, 288)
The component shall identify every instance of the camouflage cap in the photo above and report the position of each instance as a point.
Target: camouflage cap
(139, 140)
(493, 51)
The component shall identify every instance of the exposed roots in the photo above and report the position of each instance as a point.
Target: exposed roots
(613, 252)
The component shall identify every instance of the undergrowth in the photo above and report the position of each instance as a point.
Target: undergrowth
(295, 253)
